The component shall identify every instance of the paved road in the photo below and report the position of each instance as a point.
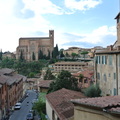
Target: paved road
(22, 113)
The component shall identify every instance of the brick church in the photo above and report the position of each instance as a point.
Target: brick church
(33, 45)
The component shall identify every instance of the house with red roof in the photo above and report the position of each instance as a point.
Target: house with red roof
(99, 108)
(44, 85)
(87, 79)
(59, 105)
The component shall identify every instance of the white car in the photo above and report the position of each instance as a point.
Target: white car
(17, 106)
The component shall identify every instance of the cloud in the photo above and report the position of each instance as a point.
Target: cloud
(42, 7)
(81, 4)
(102, 36)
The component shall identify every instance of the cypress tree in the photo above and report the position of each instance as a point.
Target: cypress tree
(1, 55)
(33, 56)
(21, 56)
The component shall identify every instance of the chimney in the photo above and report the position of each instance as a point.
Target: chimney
(118, 47)
(110, 47)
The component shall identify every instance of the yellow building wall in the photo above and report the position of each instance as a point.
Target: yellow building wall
(92, 114)
(49, 111)
(43, 90)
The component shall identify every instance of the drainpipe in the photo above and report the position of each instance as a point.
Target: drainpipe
(117, 73)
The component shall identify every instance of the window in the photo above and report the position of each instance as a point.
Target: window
(98, 76)
(98, 59)
(119, 60)
(104, 77)
(114, 76)
(110, 59)
(115, 91)
(53, 115)
(104, 59)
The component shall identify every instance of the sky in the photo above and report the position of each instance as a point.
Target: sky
(76, 23)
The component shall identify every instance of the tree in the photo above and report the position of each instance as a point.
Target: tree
(84, 53)
(93, 91)
(55, 52)
(21, 56)
(31, 75)
(67, 55)
(33, 56)
(40, 107)
(49, 75)
(74, 55)
(81, 76)
(40, 55)
(61, 53)
(1, 55)
(64, 80)
(48, 57)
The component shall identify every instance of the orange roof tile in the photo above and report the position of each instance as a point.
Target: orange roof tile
(45, 83)
(61, 104)
(108, 103)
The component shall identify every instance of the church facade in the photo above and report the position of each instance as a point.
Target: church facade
(33, 45)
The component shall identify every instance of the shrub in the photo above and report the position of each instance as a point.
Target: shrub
(93, 91)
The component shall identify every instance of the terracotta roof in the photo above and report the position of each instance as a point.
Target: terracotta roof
(85, 73)
(107, 103)
(6, 71)
(61, 104)
(14, 79)
(45, 83)
(3, 79)
(32, 79)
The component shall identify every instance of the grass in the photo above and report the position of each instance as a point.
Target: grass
(42, 96)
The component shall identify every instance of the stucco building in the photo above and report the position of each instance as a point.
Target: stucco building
(99, 108)
(69, 66)
(107, 66)
(59, 105)
(33, 45)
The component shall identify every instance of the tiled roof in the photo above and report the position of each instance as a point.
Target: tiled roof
(15, 78)
(86, 73)
(32, 79)
(6, 71)
(60, 102)
(45, 83)
(108, 103)
(3, 79)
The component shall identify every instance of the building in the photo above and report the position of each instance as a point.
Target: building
(3, 97)
(8, 55)
(99, 108)
(71, 50)
(11, 90)
(86, 79)
(59, 106)
(34, 46)
(44, 85)
(107, 66)
(69, 66)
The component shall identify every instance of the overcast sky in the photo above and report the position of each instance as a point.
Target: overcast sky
(80, 23)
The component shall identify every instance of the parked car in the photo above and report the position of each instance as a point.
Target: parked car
(17, 106)
(29, 116)
(32, 111)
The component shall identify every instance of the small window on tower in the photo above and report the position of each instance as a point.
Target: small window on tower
(118, 20)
